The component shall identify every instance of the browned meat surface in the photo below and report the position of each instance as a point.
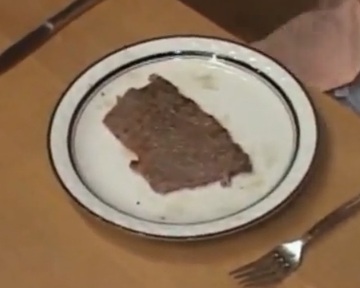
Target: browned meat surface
(178, 145)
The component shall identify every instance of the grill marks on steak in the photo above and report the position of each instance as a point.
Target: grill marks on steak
(178, 145)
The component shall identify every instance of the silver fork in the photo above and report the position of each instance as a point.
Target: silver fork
(284, 259)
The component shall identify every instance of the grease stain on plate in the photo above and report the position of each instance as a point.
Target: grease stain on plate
(269, 155)
(207, 81)
(256, 183)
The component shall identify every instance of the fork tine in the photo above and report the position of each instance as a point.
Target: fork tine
(256, 274)
(262, 270)
(257, 285)
(255, 270)
(244, 272)
(246, 268)
(243, 269)
(269, 275)
(265, 282)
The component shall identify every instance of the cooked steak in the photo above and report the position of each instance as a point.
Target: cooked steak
(178, 145)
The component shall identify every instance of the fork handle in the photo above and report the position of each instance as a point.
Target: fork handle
(331, 220)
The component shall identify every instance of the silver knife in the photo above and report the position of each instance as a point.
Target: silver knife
(36, 38)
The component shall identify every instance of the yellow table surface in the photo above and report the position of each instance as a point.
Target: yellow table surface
(47, 241)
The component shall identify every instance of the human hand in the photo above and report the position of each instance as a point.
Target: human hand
(321, 47)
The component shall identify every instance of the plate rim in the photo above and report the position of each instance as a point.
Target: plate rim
(241, 227)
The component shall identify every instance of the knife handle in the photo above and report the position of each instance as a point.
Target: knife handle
(23, 48)
(36, 38)
(72, 11)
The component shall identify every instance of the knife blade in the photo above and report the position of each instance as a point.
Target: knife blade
(39, 36)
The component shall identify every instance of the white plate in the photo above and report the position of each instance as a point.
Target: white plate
(264, 108)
